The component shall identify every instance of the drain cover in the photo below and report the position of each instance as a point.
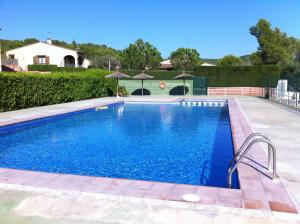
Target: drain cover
(191, 197)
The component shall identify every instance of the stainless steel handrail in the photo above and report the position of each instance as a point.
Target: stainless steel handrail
(245, 143)
(270, 146)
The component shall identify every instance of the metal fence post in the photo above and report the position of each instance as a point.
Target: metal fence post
(272, 92)
(296, 99)
(279, 96)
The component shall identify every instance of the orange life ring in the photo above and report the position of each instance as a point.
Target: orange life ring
(162, 85)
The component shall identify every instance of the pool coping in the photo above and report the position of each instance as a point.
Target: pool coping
(256, 190)
(48, 114)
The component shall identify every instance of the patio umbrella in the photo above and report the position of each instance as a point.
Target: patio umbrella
(117, 75)
(142, 77)
(183, 76)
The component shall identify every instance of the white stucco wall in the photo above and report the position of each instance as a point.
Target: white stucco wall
(86, 63)
(56, 54)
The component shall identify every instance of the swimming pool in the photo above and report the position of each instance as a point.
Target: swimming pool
(185, 143)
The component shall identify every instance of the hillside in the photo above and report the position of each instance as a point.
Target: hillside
(98, 54)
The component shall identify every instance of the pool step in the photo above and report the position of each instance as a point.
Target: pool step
(204, 103)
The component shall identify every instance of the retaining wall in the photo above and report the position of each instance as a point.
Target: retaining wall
(175, 87)
(243, 91)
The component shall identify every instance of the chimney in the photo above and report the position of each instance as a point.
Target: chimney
(49, 41)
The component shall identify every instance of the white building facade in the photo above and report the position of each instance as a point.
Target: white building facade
(166, 65)
(207, 64)
(43, 53)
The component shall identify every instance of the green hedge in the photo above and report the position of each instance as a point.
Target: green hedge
(54, 68)
(225, 76)
(292, 74)
(24, 90)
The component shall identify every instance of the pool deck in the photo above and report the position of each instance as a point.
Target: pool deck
(282, 125)
(257, 192)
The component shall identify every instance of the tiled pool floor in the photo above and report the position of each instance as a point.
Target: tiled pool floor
(257, 191)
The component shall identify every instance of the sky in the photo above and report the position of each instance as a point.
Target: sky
(214, 27)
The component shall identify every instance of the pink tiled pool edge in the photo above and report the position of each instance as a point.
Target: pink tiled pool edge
(259, 191)
(256, 190)
(46, 113)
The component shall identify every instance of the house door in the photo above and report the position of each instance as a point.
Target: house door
(200, 86)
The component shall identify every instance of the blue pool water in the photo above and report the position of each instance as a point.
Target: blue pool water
(155, 142)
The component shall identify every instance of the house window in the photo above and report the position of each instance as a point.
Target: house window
(41, 59)
(11, 56)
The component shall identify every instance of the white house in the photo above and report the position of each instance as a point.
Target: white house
(207, 64)
(166, 65)
(44, 53)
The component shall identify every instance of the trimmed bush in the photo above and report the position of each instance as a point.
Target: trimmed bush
(240, 76)
(42, 68)
(292, 74)
(54, 68)
(24, 90)
(226, 76)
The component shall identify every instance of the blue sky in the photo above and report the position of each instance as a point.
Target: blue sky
(214, 27)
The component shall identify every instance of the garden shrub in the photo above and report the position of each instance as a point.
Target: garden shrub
(292, 74)
(24, 90)
(54, 68)
(123, 91)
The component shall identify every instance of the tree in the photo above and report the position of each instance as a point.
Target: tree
(62, 44)
(12, 44)
(256, 58)
(275, 47)
(90, 50)
(140, 55)
(297, 53)
(103, 62)
(230, 60)
(185, 58)
(30, 41)
(74, 45)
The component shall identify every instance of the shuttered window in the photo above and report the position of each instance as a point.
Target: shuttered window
(35, 60)
(41, 59)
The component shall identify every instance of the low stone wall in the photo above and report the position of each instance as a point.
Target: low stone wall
(175, 87)
(11, 68)
(243, 91)
(152, 87)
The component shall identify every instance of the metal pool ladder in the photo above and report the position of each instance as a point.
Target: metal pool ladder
(245, 148)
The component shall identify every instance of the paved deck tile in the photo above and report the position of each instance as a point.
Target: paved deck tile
(230, 202)
(162, 186)
(256, 204)
(158, 194)
(282, 207)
